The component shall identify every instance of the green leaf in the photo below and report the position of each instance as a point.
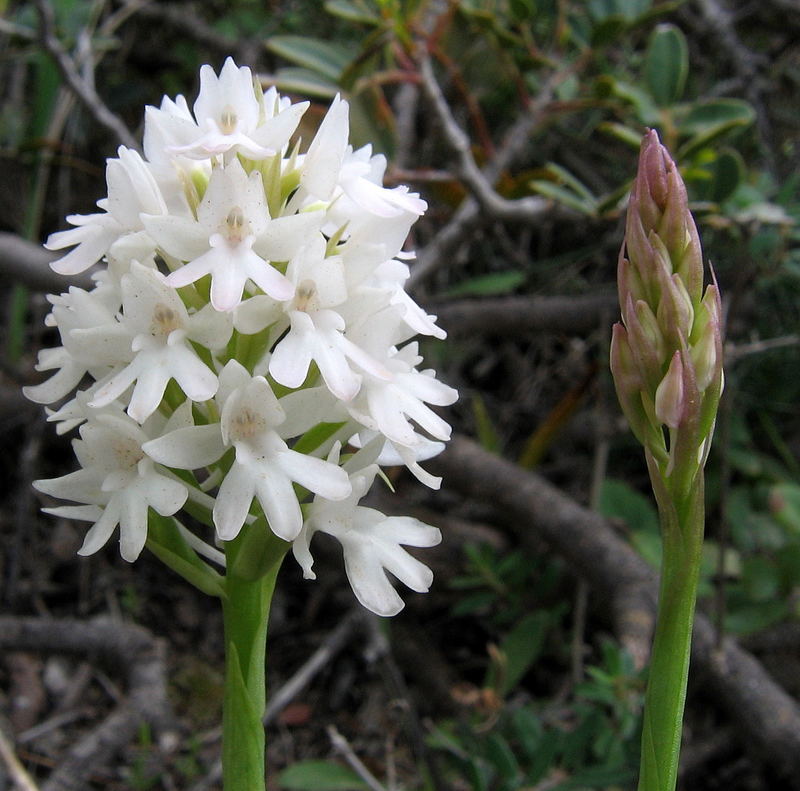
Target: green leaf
(707, 121)
(320, 776)
(305, 82)
(165, 541)
(489, 285)
(723, 175)
(326, 59)
(618, 500)
(501, 756)
(520, 649)
(352, 12)
(666, 64)
(487, 435)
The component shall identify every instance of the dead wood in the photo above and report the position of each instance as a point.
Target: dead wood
(766, 718)
(127, 648)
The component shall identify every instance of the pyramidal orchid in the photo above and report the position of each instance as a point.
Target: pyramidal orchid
(244, 365)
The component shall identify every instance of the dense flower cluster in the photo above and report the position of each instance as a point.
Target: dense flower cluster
(247, 344)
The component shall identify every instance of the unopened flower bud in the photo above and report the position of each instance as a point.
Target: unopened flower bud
(670, 394)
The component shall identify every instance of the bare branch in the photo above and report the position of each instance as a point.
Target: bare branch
(529, 209)
(512, 316)
(766, 718)
(80, 87)
(124, 646)
(29, 264)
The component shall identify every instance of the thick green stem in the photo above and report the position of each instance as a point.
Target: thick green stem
(682, 523)
(245, 611)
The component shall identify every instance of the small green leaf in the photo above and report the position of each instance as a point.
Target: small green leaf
(723, 175)
(520, 649)
(487, 435)
(708, 121)
(666, 64)
(305, 83)
(501, 756)
(326, 59)
(320, 776)
(165, 541)
(352, 12)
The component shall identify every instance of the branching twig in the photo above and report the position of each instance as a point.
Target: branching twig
(84, 91)
(22, 780)
(342, 746)
(125, 646)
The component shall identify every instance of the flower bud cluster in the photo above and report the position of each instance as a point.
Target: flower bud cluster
(247, 344)
(666, 355)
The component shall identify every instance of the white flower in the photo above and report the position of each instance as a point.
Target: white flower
(234, 239)
(160, 329)
(230, 117)
(317, 332)
(92, 338)
(117, 483)
(372, 545)
(264, 467)
(131, 191)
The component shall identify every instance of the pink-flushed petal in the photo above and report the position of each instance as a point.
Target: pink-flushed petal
(187, 448)
(233, 501)
(279, 501)
(319, 476)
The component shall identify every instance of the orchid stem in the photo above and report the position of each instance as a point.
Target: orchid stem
(682, 524)
(245, 613)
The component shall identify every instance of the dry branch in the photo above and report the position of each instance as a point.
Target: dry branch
(513, 316)
(126, 647)
(767, 719)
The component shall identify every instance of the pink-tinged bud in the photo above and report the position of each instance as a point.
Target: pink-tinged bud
(651, 188)
(627, 380)
(669, 402)
(645, 341)
(706, 347)
(675, 312)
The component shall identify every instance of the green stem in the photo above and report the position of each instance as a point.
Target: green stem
(245, 612)
(682, 523)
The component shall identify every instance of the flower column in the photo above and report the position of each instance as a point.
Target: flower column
(666, 358)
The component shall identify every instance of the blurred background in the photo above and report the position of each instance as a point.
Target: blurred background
(519, 122)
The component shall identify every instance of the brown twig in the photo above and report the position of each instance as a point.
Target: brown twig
(82, 88)
(513, 316)
(124, 646)
(767, 719)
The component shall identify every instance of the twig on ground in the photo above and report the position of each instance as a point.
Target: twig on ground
(22, 780)
(767, 719)
(342, 746)
(81, 88)
(125, 646)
